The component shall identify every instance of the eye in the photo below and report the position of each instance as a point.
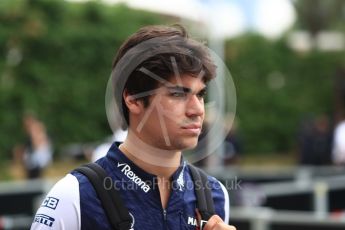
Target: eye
(202, 94)
(178, 94)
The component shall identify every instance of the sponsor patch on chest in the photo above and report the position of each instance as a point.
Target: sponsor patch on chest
(127, 171)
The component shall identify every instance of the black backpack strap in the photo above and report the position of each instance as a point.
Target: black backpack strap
(203, 193)
(113, 206)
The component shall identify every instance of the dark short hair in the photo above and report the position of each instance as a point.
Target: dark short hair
(198, 59)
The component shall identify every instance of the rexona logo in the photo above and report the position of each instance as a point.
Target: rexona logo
(126, 169)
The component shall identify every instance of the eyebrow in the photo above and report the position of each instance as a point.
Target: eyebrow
(183, 89)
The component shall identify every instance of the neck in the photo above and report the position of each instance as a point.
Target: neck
(162, 163)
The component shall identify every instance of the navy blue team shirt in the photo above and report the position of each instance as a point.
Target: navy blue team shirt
(73, 204)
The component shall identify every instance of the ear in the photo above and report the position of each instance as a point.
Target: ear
(134, 106)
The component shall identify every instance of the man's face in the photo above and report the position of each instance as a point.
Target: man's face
(174, 118)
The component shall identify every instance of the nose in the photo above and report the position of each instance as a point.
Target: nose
(195, 106)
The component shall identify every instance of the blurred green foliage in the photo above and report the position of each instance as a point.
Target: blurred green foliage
(278, 88)
(56, 61)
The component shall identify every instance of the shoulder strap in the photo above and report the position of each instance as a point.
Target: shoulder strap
(114, 208)
(203, 192)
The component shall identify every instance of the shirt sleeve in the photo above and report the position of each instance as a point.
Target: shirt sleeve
(226, 203)
(60, 210)
(338, 151)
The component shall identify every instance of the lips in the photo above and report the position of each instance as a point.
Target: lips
(192, 128)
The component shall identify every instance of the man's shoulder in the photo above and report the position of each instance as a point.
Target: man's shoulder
(60, 207)
(219, 191)
(220, 196)
(65, 191)
(86, 187)
(66, 185)
(212, 182)
(341, 127)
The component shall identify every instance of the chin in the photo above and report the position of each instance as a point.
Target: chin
(181, 144)
(189, 144)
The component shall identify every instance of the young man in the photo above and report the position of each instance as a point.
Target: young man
(160, 78)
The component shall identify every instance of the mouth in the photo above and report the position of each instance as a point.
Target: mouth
(194, 129)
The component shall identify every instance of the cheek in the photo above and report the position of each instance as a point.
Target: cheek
(174, 107)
